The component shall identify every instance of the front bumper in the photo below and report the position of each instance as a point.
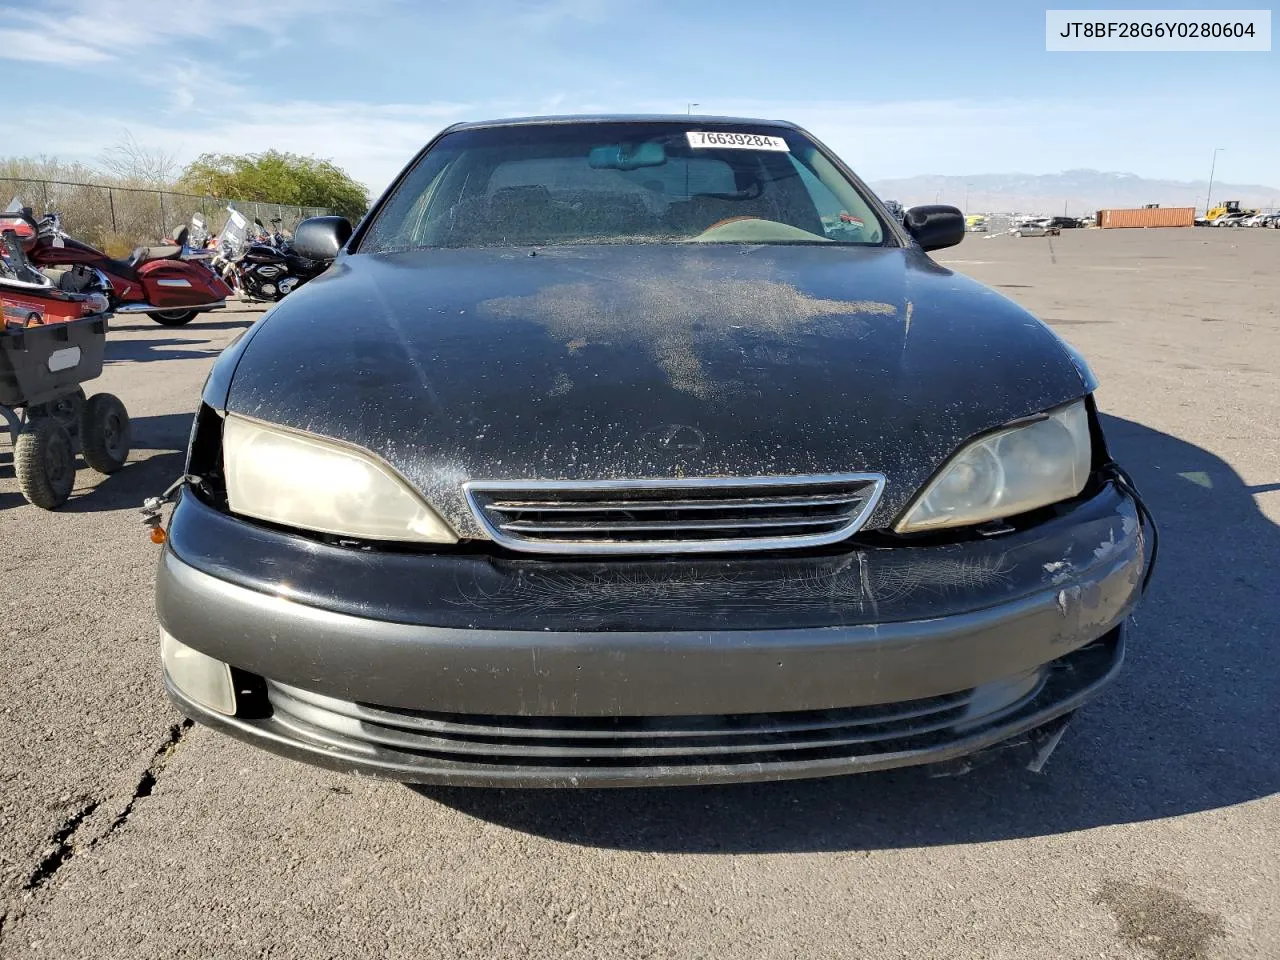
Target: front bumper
(1009, 646)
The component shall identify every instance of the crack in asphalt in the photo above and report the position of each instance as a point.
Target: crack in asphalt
(63, 847)
(63, 839)
(147, 782)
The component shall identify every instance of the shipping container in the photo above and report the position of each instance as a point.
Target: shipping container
(1148, 217)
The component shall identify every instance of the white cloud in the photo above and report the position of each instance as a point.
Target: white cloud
(200, 106)
(70, 32)
(33, 45)
(373, 141)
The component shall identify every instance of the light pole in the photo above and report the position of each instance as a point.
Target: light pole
(690, 108)
(966, 198)
(1208, 199)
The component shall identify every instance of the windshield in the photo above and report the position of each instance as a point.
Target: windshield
(664, 182)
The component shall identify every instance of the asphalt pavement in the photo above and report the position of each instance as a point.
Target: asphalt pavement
(1153, 832)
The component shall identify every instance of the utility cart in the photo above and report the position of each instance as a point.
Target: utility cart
(52, 341)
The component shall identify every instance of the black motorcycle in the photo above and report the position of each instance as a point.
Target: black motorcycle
(264, 267)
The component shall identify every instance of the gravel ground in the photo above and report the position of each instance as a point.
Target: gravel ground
(1153, 832)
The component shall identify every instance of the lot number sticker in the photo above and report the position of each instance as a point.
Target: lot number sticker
(699, 139)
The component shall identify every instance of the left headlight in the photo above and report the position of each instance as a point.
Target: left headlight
(298, 480)
(1008, 472)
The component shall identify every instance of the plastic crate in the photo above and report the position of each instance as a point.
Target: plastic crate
(39, 364)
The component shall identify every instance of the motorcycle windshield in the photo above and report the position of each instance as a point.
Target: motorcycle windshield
(235, 231)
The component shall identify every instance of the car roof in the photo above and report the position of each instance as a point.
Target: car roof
(689, 119)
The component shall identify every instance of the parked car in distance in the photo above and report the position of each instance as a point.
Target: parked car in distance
(1231, 220)
(596, 460)
(1064, 223)
(1035, 228)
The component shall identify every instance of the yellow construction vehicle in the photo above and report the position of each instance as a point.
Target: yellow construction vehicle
(1226, 207)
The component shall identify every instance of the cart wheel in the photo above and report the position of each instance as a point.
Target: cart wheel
(104, 433)
(173, 318)
(44, 462)
(68, 410)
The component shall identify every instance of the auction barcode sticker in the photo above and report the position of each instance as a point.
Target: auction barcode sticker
(1138, 31)
(735, 141)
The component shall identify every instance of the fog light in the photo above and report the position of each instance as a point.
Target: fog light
(205, 680)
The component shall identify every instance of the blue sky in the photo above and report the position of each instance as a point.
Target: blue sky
(896, 88)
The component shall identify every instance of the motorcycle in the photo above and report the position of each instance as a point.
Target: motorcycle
(158, 281)
(262, 265)
(28, 297)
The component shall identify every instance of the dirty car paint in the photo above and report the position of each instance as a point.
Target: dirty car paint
(496, 363)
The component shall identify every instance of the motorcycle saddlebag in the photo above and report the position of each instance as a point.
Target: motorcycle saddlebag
(174, 284)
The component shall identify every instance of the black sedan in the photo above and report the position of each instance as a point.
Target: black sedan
(632, 450)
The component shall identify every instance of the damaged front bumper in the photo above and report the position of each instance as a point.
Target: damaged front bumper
(480, 670)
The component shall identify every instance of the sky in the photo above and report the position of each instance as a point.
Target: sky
(897, 89)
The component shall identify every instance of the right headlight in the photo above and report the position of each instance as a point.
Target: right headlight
(299, 480)
(1008, 472)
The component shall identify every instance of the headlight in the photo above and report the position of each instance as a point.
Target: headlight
(303, 481)
(1007, 473)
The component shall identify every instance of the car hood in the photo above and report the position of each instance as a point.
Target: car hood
(648, 360)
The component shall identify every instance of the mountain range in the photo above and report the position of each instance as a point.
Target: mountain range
(1077, 191)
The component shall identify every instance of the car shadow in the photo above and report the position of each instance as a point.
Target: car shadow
(146, 351)
(244, 319)
(165, 437)
(138, 479)
(1189, 725)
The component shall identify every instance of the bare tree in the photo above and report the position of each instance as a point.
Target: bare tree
(138, 166)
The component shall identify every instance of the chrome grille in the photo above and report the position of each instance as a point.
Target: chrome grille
(674, 516)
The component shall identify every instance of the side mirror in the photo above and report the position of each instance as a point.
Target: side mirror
(320, 238)
(935, 225)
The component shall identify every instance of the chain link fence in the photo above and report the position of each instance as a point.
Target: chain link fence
(117, 219)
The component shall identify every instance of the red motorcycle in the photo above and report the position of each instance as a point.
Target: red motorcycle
(157, 281)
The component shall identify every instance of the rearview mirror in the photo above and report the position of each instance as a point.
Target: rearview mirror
(320, 238)
(627, 156)
(935, 226)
